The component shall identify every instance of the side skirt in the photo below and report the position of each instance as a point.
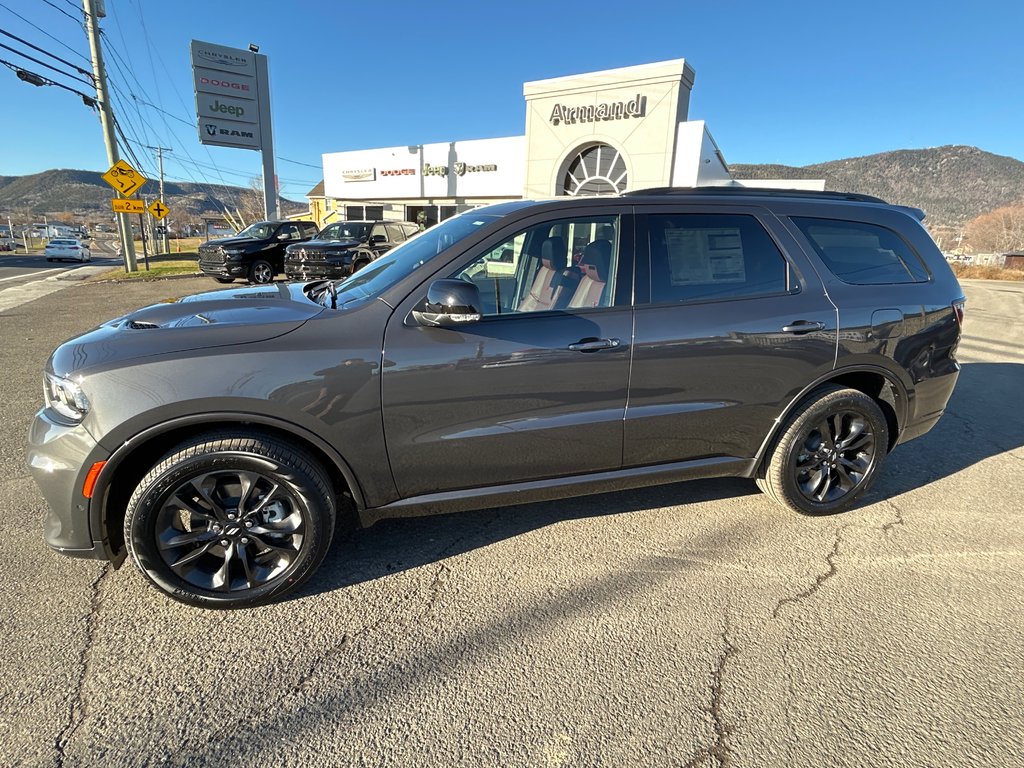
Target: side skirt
(559, 488)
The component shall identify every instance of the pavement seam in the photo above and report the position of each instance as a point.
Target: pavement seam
(433, 589)
(75, 710)
(819, 580)
(718, 752)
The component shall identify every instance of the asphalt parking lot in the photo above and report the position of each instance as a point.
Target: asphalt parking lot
(687, 625)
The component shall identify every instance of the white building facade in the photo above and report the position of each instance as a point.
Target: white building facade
(598, 133)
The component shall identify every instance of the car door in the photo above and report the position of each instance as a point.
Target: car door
(732, 323)
(378, 242)
(530, 391)
(291, 234)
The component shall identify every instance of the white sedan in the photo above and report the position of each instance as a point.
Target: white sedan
(58, 250)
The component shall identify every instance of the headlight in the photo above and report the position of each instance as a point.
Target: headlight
(234, 254)
(65, 397)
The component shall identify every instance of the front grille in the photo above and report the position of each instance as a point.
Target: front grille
(308, 254)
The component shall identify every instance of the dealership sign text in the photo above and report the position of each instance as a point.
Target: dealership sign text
(615, 110)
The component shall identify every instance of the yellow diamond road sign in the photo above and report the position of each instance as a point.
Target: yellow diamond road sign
(158, 209)
(124, 178)
(120, 205)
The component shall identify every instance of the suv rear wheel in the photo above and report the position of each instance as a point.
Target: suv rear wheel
(231, 520)
(828, 452)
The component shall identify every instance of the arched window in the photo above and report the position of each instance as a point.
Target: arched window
(597, 170)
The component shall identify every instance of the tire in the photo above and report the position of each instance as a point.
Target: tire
(224, 279)
(261, 273)
(187, 524)
(814, 473)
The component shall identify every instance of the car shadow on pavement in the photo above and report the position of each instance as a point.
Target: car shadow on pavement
(399, 544)
(982, 420)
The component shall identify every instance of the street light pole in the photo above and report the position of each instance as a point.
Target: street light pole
(92, 29)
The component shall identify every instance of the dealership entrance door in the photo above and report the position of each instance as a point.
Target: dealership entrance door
(432, 213)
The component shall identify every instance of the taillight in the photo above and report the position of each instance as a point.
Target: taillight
(958, 308)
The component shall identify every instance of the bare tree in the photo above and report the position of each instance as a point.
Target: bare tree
(999, 231)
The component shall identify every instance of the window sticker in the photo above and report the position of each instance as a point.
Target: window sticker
(705, 256)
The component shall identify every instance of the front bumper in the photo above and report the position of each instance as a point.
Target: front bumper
(59, 458)
(214, 268)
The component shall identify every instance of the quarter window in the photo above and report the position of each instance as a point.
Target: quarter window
(861, 253)
(561, 265)
(707, 257)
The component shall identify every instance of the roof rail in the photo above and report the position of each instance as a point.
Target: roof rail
(754, 192)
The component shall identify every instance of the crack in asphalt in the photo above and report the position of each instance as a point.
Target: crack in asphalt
(718, 752)
(75, 710)
(895, 522)
(819, 580)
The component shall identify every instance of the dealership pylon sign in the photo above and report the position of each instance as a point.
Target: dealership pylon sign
(232, 88)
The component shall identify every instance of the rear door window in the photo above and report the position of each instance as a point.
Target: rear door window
(862, 254)
(711, 256)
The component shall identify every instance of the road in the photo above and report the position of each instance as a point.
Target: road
(688, 625)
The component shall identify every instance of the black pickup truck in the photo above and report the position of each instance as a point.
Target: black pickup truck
(255, 253)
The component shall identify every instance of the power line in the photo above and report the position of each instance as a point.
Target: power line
(44, 51)
(61, 10)
(296, 162)
(40, 29)
(90, 101)
(44, 64)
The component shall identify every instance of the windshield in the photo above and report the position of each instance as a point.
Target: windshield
(406, 258)
(345, 231)
(260, 231)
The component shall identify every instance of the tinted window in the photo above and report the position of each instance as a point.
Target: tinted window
(395, 233)
(290, 230)
(700, 257)
(862, 254)
(309, 229)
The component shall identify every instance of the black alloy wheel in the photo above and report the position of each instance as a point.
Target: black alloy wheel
(231, 520)
(828, 452)
(261, 273)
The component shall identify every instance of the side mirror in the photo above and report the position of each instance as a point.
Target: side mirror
(284, 236)
(450, 302)
(374, 239)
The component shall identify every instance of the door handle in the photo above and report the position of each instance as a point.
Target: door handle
(803, 326)
(592, 345)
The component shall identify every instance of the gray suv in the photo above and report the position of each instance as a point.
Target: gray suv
(527, 350)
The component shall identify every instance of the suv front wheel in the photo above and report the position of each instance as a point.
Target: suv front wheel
(231, 520)
(828, 452)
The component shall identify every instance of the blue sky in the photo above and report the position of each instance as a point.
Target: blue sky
(781, 82)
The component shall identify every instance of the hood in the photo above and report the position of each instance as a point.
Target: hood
(323, 245)
(230, 242)
(214, 319)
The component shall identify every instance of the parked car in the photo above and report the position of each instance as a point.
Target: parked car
(344, 247)
(256, 253)
(67, 249)
(793, 338)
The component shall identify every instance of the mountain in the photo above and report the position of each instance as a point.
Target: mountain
(953, 184)
(84, 193)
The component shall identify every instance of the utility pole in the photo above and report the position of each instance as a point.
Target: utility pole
(160, 161)
(93, 12)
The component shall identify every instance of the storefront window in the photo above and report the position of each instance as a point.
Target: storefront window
(597, 170)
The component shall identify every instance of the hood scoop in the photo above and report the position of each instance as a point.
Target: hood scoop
(140, 325)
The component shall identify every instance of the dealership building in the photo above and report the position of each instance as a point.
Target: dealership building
(598, 133)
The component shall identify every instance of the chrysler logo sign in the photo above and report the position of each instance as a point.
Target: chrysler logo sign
(359, 174)
(593, 113)
(222, 58)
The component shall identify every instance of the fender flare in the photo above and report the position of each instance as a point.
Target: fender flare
(902, 403)
(97, 505)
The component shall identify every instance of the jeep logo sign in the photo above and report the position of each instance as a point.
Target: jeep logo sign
(224, 107)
